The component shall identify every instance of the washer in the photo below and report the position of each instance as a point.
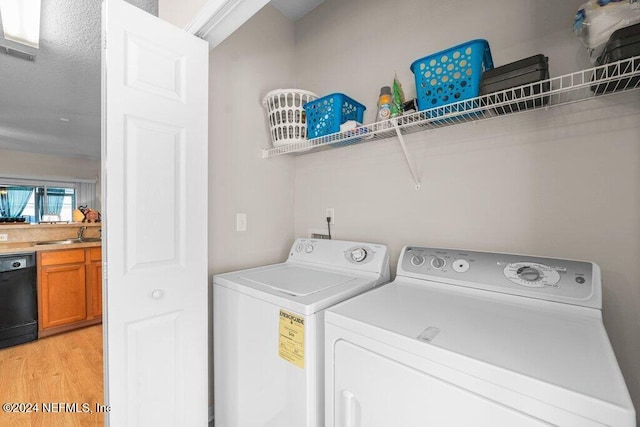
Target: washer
(478, 339)
(269, 331)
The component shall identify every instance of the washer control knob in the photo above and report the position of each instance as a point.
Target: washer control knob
(308, 249)
(438, 262)
(358, 254)
(417, 260)
(529, 274)
(157, 294)
(299, 248)
(460, 265)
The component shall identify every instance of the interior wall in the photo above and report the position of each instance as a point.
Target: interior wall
(179, 13)
(561, 183)
(45, 165)
(33, 165)
(256, 59)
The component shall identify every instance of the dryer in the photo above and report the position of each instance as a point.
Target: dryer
(471, 338)
(269, 331)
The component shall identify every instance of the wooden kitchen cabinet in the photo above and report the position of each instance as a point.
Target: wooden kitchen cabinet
(69, 289)
(94, 283)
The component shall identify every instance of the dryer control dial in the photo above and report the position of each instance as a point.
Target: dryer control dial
(529, 274)
(532, 275)
(438, 262)
(358, 254)
(417, 260)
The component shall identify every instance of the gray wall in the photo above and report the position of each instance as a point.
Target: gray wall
(254, 60)
(562, 183)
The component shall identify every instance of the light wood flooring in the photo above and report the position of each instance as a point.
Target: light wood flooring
(65, 368)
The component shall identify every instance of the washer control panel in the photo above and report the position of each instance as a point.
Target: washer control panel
(361, 256)
(575, 282)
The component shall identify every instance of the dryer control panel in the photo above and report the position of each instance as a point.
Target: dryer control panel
(573, 282)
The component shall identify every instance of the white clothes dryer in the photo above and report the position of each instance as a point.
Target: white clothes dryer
(269, 331)
(463, 338)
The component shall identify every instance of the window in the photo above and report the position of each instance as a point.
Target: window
(37, 203)
(41, 199)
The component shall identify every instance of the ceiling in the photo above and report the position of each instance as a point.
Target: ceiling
(295, 9)
(52, 105)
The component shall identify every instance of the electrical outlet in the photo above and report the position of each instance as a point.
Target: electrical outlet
(4, 237)
(330, 212)
(241, 222)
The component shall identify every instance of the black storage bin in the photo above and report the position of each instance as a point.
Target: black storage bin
(623, 43)
(524, 72)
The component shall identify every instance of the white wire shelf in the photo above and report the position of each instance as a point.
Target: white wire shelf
(591, 83)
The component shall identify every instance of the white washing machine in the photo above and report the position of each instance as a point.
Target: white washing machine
(465, 338)
(269, 331)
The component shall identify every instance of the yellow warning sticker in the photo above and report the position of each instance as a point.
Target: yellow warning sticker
(291, 340)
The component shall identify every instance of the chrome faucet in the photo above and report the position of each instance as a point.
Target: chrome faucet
(81, 232)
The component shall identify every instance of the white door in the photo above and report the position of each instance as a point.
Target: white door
(154, 150)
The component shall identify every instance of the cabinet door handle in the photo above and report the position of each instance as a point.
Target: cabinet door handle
(348, 409)
(157, 294)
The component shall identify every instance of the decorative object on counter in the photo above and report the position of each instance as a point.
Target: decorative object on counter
(532, 73)
(596, 20)
(90, 215)
(398, 98)
(451, 75)
(624, 43)
(286, 115)
(326, 114)
(77, 215)
(385, 101)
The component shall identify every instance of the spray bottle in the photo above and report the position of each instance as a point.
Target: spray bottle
(384, 104)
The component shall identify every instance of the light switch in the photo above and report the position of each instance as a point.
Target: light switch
(241, 222)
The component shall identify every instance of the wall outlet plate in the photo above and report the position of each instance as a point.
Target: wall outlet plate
(4, 237)
(330, 212)
(241, 222)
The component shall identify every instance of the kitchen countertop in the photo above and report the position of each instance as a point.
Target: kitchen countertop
(21, 247)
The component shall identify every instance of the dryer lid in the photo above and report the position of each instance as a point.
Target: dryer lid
(295, 280)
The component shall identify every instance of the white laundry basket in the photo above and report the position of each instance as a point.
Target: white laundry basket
(287, 119)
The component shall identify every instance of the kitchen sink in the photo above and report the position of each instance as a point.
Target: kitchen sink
(70, 241)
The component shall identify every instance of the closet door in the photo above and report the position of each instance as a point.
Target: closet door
(154, 178)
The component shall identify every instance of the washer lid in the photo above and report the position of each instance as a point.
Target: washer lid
(304, 289)
(296, 281)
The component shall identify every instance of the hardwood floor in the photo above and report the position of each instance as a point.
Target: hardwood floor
(54, 371)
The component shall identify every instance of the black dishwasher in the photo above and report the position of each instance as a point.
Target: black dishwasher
(18, 303)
